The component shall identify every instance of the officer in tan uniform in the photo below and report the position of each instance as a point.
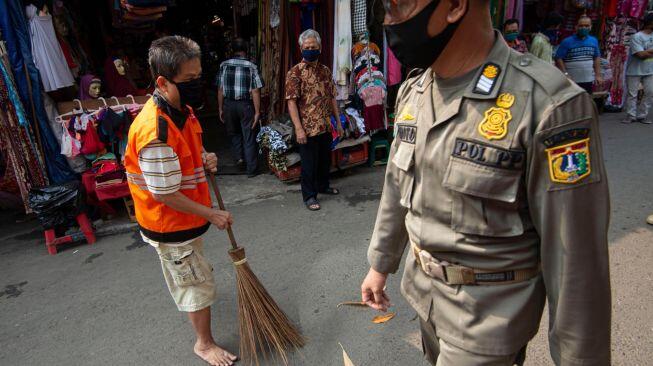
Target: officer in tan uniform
(497, 186)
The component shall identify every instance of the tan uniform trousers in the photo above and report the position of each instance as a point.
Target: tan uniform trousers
(440, 353)
(188, 274)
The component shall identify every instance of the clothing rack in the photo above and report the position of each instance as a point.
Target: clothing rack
(77, 107)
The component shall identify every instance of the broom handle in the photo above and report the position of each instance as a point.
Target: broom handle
(214, 185)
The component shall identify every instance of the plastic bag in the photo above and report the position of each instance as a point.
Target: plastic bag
(58, 204)
(66, 143)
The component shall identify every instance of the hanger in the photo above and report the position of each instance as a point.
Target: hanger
(103, 101)
(132, 98)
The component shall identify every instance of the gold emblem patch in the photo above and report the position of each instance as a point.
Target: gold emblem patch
(569, 163)
(490, 71)
(495, 124)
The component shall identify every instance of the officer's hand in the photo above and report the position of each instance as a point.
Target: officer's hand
(221, 219)
(301, 136)
(221, 114)
(210, 161)
(373, 291)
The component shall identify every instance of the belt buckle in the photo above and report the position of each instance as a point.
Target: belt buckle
(432, 267)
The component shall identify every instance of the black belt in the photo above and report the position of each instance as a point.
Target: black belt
(238, 100)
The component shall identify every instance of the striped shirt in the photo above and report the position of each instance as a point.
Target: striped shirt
(237, 77)
(162, 174)
(578, 55)
(160, 167)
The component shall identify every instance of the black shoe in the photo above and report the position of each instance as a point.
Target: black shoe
(252, 175)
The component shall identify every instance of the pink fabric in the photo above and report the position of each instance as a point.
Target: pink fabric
(394, 69)
(373, 95)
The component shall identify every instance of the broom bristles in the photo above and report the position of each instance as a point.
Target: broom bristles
(263, 325)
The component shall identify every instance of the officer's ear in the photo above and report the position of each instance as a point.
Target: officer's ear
(457, 9)
(162, 83)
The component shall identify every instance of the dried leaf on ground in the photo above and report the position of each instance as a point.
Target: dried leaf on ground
(352, 303)
(383, 318)
(345, 356)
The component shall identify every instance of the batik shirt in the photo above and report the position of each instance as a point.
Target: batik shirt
(311, 86)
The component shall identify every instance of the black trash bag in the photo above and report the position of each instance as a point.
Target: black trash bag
(57, 205)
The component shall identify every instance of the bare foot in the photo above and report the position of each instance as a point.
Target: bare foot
(214, 355)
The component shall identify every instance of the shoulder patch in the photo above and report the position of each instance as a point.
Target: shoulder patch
(487, 79)
(569, 163)
(162, 129)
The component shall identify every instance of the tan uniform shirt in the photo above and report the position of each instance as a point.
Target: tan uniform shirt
(504, 172)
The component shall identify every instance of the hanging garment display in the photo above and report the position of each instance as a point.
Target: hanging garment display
(14, 29)
(47, 53)
(359, 17)
(17, 143)
(342, 44)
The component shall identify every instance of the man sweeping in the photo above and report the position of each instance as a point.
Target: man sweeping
(165, 164)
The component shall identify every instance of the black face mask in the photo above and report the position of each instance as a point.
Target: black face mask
(190, 92)
(410, 42)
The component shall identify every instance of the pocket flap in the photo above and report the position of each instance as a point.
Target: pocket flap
(177, 256)
(481, 181)
(404, 158)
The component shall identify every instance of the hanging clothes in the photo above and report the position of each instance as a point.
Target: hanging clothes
(47, 53)
(359, 17)
(342, 44)
(14, 28)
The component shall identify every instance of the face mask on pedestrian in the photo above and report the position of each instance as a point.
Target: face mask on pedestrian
(310, 55)
(583, 32)
(190, 92)
(409, 39)
(511, 37)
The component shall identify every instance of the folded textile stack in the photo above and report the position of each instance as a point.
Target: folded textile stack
(139, 14)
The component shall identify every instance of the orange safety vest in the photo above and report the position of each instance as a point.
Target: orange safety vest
(157, 221)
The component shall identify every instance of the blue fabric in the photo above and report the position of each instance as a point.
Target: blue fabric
(13, 96)
(13, 25)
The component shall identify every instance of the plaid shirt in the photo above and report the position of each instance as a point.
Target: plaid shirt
(237, 77)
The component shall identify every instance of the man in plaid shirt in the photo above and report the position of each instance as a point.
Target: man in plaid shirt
(239, 103)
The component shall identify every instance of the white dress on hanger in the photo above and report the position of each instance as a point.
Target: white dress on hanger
(46, 51)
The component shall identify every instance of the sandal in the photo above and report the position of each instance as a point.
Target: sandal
(312, 204)
(331, 191)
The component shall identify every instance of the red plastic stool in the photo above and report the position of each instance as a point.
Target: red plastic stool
(86, 231)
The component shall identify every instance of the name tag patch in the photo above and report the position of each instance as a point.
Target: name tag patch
(407, 133)
(488, 155)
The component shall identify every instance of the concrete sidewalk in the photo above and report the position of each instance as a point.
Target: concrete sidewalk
(107, 304)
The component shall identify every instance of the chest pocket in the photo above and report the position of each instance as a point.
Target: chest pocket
(404, 159)
(484, 199)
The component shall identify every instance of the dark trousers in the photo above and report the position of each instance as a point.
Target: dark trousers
(589, 87)
(316, 164)
(238, 119)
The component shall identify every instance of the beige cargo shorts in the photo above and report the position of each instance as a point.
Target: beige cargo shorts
(188, 274)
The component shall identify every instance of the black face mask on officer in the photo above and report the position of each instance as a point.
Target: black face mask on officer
(409, 39)
(190, 92)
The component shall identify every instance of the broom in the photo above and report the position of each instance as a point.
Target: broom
(263, 325)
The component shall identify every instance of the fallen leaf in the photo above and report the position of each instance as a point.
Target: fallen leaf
(345, 356)
(352, 303)
(383, 318)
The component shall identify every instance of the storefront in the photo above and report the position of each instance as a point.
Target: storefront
(75, 74)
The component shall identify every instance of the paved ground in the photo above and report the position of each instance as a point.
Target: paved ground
(107, 304)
